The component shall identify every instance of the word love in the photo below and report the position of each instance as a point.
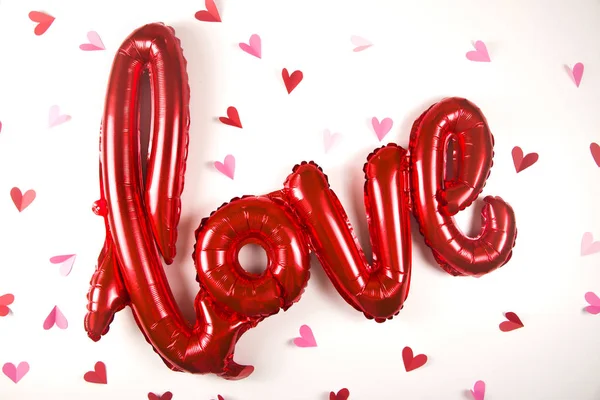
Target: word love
(141, 218)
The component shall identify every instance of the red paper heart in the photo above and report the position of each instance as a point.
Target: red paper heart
(412, 362)
(343, 394)
(291, 81)
(164, 396)
(22, 201)
(595, 149)
(44, 21)
(5, 301)
(521, 163)
(232, 118)
(211, 14)
(98, 375)
(514, 322)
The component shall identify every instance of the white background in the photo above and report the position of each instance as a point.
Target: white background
(418, 57)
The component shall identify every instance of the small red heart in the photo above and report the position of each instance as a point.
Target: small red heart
(412, 362)
(521, 163)
(343, 394)
(5, 301)
(44, 21)
(98, 375)
(211, 14)
(22, 201)
(595, 149)
(291, 81)
(164, 396)
(232, 118)
(514, 322)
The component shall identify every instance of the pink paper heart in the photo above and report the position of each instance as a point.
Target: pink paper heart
(360, 42)
(382, 128)
(306, 339)
(478, 391)
(56, 317)
(56, 118)
(577, 73)
(329, 139)
(15, 373)
(95, 43)
(480, 54)
(254, 47)
(588, 246)
(228, 167)
(594, 303)
(66, 263)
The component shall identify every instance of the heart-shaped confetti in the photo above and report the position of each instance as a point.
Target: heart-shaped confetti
(480, 54)
(66, 263)
(219, 397)
(164, 396)
(329, 139)
(360, 43)
(521, 163)
(232, 118)
(95, 43)
(588, 245)
(412, 362)
(0, 126)
(211, 14)
(595, 150)
(55, 118)
(306, 339)
(594, 303)
(56, 317)
(381, 128)
(15, 372)
(227, 167)
(98, 375)
(291, 81)
(577, 73)
(254, 46)
(478, 390)
(5, 301)
(513, 322)
(43, 21)
(22, 201)
(342, 394)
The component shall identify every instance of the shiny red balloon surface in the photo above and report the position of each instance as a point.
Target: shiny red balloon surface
(141, 218)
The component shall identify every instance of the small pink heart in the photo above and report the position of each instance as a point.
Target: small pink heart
(478, 391)
(56, 317)
(577, 73)
(594, 303)
(360, 43)
(56, 118)
(588, 246)
(382, 128)
(480, 54)
(15, 373)
(66, 263)
(228, 167)
(95, 43)
(306, 339)
(329, 139)
(20, 199)
(254, 47)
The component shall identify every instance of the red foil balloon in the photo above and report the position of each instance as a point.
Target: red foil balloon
(437, 197)
(141, 219)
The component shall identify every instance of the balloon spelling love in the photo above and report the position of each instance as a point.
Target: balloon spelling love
(141, 219)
